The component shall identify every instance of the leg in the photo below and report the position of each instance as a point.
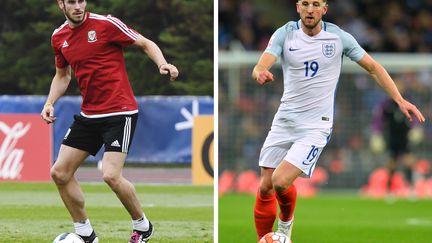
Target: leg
(117, 137)
(265, 205)
(112, 165)
(391, 166)
(287, 201)
(62, 173)
(284, 176)
(408, 160)
(80, 141)
(286, 193)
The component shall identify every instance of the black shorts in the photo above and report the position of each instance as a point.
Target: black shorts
(398, 144)
(114, 132)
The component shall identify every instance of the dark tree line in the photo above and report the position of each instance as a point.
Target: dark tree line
(183, 29)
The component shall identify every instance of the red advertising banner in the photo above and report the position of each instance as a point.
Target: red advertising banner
(25, 148)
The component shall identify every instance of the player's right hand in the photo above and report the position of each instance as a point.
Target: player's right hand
(47, 113)
(264, 77)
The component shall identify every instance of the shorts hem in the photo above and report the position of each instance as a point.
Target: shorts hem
(80, 148)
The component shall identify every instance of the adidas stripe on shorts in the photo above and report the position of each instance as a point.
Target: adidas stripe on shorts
(299, 146)
(89, 134)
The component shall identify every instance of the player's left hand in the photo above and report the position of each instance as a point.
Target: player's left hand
(169, 68)
(409, 109)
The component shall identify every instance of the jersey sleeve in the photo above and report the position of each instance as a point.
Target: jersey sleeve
(120, 33)
(60, 60)
(276, 42)
(351, 47)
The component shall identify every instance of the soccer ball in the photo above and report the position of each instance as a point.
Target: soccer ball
(274, 237)
(68, 238)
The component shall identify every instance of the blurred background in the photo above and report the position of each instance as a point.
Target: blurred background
(27, 62)
(396, 33)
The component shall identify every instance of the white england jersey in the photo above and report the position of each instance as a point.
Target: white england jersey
(311, 68)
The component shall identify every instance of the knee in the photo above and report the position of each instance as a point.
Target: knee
(59, 177)
(280, 184)
(265, 188)
(111, 179)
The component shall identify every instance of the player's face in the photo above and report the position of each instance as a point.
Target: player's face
(311, 12)
(74, 10)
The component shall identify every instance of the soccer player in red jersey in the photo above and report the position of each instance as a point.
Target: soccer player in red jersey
(92, 45)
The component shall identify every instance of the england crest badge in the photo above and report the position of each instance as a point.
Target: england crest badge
(329, 49)
(92, 36)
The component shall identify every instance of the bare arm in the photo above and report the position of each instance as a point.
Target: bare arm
(261, 71)
(380, 75)
(59, 85)
(155, 54)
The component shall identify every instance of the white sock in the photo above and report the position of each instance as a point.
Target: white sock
(141, 224)
(287, 223)
(83, 228)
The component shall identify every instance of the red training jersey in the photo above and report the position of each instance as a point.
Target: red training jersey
(95, 52)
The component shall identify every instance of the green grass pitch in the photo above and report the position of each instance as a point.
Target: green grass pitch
(334, 218)
(34, 212)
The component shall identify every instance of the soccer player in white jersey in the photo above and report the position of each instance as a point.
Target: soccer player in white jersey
(310, 51)
(92, 46)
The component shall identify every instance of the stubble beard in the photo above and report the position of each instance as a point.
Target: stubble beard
(71, 18)
(310, 26)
